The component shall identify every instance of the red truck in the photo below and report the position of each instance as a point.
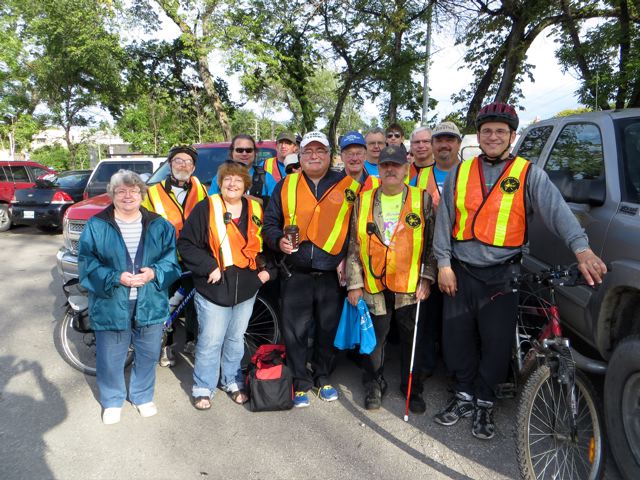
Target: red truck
(210, 156)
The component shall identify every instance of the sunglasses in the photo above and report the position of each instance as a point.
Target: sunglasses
(291, 167)
(393, 135)
(243, 150)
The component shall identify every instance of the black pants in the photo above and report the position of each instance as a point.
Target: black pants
(373, 364)
(478, 329)
(310, 300)
(429, 333)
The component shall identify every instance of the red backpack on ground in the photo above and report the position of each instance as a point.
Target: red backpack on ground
(269, 380)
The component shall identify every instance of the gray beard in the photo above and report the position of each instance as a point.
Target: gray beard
(181, 177)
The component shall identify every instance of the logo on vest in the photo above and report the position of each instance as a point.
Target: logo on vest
(256, 220)
(510, 185)
(413, 220)
(350, 195)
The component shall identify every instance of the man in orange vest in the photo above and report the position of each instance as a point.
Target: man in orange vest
(480, 233)
(420, 147)
(313, 206)
(174, 198)
(353, 151)
(285, 145)
(391, 266)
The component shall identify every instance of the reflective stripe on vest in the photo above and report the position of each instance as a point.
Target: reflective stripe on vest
(270, 165)
(166, 205)
(232, 247)
(499, 220)
(395, 267)
(370, 183)
(324, 222)
(427, 181)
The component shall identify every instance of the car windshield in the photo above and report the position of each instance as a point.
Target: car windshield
(72, 179)
(209, 159)
(105, 170)
(628, 130)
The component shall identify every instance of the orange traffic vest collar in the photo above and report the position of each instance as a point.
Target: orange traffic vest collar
(370, 183)
(271, 166)
(497, 217)
(228, 245)
(395, 267)
(427, 181)
(168, 207)
(323, 222)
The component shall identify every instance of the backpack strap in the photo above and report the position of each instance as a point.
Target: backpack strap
(258, 181)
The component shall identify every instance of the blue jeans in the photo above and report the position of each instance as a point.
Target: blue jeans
(220, 346)
(111, 353)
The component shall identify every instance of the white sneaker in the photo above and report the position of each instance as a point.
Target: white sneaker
(148, 409)
(167, 358)
(111, 415)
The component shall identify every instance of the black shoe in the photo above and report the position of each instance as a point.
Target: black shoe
(373, 398)
(383, 385)
(457, 408)
(483, 426)
(416, 404)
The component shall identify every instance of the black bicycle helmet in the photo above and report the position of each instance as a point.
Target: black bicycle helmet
(498, 112)
(189, 150)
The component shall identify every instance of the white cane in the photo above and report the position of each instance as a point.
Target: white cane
(413, 352)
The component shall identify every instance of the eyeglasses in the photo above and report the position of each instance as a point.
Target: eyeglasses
(354, 154)
(393, 135)
(374, 143)
(121, 192)
(243, 150)
(500, 132)
(291, 167)
(232, 180)
(319, 152)
(182, 161)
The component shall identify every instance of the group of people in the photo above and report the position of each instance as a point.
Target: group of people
(394, 228)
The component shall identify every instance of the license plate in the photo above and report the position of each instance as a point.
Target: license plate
(28, 214)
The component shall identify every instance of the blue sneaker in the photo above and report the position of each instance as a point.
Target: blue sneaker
(301, 400)
(328, 393)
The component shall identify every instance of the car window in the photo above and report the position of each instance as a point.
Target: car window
(3, 174)
(38, 172)
(577, 153)
(531, 146)
(72, 180)
(17, 174)
(628, 131)
(105, 170)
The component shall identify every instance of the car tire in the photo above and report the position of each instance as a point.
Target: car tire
(622, 411)
(5, 218)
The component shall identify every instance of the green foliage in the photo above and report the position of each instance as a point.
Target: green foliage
(572, 111)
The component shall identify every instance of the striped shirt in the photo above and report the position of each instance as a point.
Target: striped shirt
(131, 233)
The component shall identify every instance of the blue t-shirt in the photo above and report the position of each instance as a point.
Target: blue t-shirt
(371, 168)
(441, 176)
(267, 188)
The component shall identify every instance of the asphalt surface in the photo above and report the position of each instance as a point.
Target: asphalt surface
(50, 419)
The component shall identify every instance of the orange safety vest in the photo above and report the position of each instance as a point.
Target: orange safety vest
(323, 222)
(166, 205)
(232, 247)
(500, 219)
(370, 183)
(427, 181)
(270, 165)
(395, 267)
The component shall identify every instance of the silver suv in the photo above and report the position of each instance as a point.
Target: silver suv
(594, 160)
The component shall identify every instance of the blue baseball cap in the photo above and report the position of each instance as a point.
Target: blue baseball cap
(352, 138)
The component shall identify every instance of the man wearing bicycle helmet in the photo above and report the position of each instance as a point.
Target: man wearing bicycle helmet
(481, 230)
(174, 198)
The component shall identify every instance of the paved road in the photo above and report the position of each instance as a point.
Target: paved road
(50, 420)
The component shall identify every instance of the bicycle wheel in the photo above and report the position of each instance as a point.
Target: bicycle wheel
(545, 446)
(78, 349)
(263, 328)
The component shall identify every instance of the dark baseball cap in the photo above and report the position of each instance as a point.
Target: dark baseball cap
(189, 150)
(393, 153)
(286, 136)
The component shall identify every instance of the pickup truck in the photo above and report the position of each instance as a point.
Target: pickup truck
(210, 156)
(594, 160)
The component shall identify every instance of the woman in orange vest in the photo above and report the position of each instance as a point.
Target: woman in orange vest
(221, 244)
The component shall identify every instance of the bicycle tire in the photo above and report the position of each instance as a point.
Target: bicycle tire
(263, 326)
(78, 349)
(543, 446)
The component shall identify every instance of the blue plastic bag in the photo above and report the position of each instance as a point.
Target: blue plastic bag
(367, 332)
(348, 333)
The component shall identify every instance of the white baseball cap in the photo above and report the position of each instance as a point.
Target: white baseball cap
(314, 136)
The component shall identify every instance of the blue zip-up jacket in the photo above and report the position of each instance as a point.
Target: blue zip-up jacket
(103, 256)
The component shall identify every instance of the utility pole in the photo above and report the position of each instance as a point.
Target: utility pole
(425, 93)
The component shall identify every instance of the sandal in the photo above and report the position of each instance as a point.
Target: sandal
(240, 397)
(202, 403)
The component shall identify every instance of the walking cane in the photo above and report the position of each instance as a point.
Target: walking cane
(413, 351)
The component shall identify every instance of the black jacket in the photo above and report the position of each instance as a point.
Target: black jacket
(308, 256)
(237, 284)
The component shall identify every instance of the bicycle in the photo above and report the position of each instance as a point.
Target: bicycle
(559, 428)
(76, 341)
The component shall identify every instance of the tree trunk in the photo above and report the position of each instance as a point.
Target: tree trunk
(625, 52)
(343, 94)
(392, 112)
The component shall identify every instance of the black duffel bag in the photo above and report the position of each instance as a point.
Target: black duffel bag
(269, 380)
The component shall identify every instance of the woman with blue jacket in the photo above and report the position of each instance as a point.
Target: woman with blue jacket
(127, 260)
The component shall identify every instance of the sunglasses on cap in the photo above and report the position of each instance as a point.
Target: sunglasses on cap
(243, 150)
(393, 135)
(291, 167)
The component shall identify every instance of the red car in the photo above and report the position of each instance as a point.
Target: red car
(210, 157)
(15, 175)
